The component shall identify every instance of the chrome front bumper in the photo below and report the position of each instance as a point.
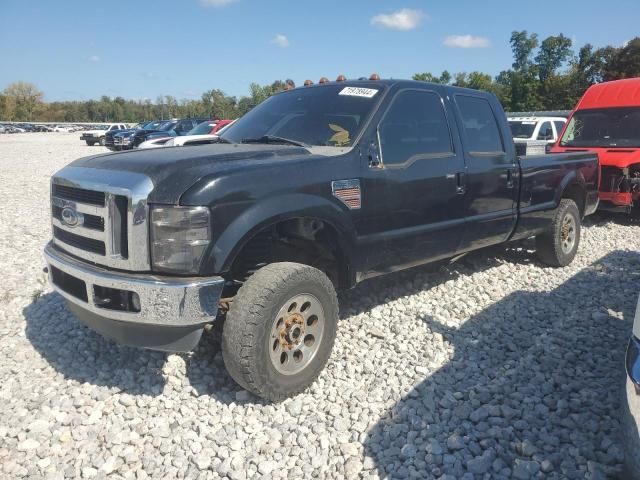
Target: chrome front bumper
(171, 311)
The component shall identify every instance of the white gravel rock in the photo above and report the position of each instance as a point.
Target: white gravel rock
(494, 366)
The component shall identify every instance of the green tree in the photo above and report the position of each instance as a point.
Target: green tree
(26, 97)
(553, 53)
(622, 62)
(522, 46)
(444, 78)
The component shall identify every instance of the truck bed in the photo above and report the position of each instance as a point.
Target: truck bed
(540, 176)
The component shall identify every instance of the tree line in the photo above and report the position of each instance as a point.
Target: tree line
(545, 75)
(548, 74)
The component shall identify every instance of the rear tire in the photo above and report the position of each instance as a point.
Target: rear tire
(91, 144)
(557, 247)
(280, 330)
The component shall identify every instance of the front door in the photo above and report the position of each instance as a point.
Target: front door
(413, 210)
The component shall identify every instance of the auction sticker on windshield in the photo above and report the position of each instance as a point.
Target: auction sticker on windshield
(358, 92)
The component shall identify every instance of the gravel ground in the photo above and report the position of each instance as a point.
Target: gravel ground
(491, 367)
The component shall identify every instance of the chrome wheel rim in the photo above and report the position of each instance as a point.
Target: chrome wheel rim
(296, 334)
(568, 233)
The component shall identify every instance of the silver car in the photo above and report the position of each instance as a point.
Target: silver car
(631, 402)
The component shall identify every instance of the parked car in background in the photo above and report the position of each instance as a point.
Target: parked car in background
(63, 128)
(606, 121)
(109, 141)
(120, 140)
(204, 133)
(534, 129)
(27, 127)
(313, 190)
(98, 134)
(43, 128)
(169, 128)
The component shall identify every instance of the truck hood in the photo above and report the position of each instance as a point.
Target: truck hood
(618, 157)
(174, 170)
(609, 157)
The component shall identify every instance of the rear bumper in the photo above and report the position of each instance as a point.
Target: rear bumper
(168, 313)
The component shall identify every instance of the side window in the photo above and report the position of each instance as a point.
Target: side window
(414, 126)
(480, 125)
(546, 131)
(559, 126)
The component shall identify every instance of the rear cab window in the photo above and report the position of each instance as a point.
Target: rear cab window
(481, 133)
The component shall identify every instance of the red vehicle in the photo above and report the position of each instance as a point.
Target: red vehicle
(607, 121)
(219, 125)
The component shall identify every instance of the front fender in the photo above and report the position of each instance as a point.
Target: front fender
(270, 211)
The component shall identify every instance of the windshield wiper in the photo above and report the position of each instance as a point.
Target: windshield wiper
(274, 139)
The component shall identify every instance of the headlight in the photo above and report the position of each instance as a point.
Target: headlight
(179, 238)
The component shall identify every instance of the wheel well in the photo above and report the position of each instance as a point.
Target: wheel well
(576, 193)
(309, 241)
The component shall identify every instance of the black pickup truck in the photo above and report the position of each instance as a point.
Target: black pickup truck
(314, 190)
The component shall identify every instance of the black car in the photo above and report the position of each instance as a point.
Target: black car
(127, 140)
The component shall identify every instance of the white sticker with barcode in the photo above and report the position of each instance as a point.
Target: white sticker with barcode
(358, 92)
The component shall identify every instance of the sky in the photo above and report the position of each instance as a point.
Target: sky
(81, 49)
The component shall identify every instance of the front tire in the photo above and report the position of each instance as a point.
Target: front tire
(557, 247)
(280, 330)
(101, 141)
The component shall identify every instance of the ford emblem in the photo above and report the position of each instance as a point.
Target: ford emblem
(69, 217)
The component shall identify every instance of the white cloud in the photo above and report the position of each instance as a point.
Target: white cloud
(404, 19)
(280, 40)
(216, 3)
(94, 58)
(466, 41)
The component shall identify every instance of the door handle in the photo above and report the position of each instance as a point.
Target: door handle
(509, 178)
(461, 187)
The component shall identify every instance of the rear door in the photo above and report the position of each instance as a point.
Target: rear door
(412, 211)
(491, 174)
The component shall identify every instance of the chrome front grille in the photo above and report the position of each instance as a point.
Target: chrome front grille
(101, 216)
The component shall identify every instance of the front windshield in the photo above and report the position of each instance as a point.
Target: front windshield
(605, 127)
(331, 115)
(153, 125)
(201, 129)
(522, 129)
(101, 127)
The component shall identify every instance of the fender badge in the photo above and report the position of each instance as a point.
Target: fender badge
(348, 192)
